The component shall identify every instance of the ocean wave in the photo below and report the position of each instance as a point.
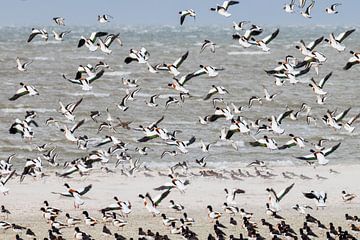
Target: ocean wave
(248, 53)
(117, 73)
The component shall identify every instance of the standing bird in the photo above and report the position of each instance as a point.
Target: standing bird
(185, 13)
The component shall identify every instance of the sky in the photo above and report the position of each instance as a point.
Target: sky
(39, 13)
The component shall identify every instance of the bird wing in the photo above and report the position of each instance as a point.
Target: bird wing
(96, 76)
(180, 60)
(344, 35)
(84, 190)
(34, 32)
(94, 35)
(191, 141)
(4, 180)
(68, 172)
(330, 150)
(182, 18)
(110, 38)
(283, 192)
(19, 93)
(283, 115)
(76, 81)
(210, 93)
(227, 4)
(165, 186)
(77, 125)
(323, 81)
(307, 157)
(310, 195)
(341, 115)
(269, 38)
(353, 119)
(156, 122)
(161, 197)
(313, 44)
(71, 106)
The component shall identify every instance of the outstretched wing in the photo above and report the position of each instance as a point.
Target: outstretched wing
(332, 149)
(283, 192)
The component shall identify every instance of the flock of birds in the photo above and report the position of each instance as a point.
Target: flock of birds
(287, 71)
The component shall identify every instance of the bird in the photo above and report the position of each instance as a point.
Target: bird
(59, 21)
(319, 197)
(223, 9)
(208, 44)
(275, 198)
(104, 18)
(75, 194)
(355, 59)
(320, 155)
(347, 197)
(332, 8)
(262, 44)
(335, 42)
(22, 67)
(151, 204)
(41, 32)
(85, 82)
(214, 90)
(3, 180)
(90, 42)
(213, 215)
(24, 90)
(239, 26)
(289, 7)
(173, 68)
(306, 14)
(60, 36)
(230, 195)
(184, 13)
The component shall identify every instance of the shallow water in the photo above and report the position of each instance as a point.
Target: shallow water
(243, 76)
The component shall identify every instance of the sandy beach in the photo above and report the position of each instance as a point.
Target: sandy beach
(25, 200)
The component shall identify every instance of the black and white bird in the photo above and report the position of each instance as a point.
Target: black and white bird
(68, 110)
(86, 81)
(3, 180)
(347, 197)
(223, 9)
(214, 90)
(24, 90)
(355, 59)
(184, 13)
(332, 8)
(208, 44)
(289, 7)
(60, 36)
(262, 44)
(307, 13)
(319, 197)
(41, 32)
(105, 18)
(59, 21)
(140, 56)
(104, 45)
(90, 42)
(335, 42)
(320, 155)
(22, 67)
(239, 26)
(173, 68)
(275, 198)
(230, 195)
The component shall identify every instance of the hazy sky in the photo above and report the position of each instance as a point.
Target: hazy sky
(165, 12)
